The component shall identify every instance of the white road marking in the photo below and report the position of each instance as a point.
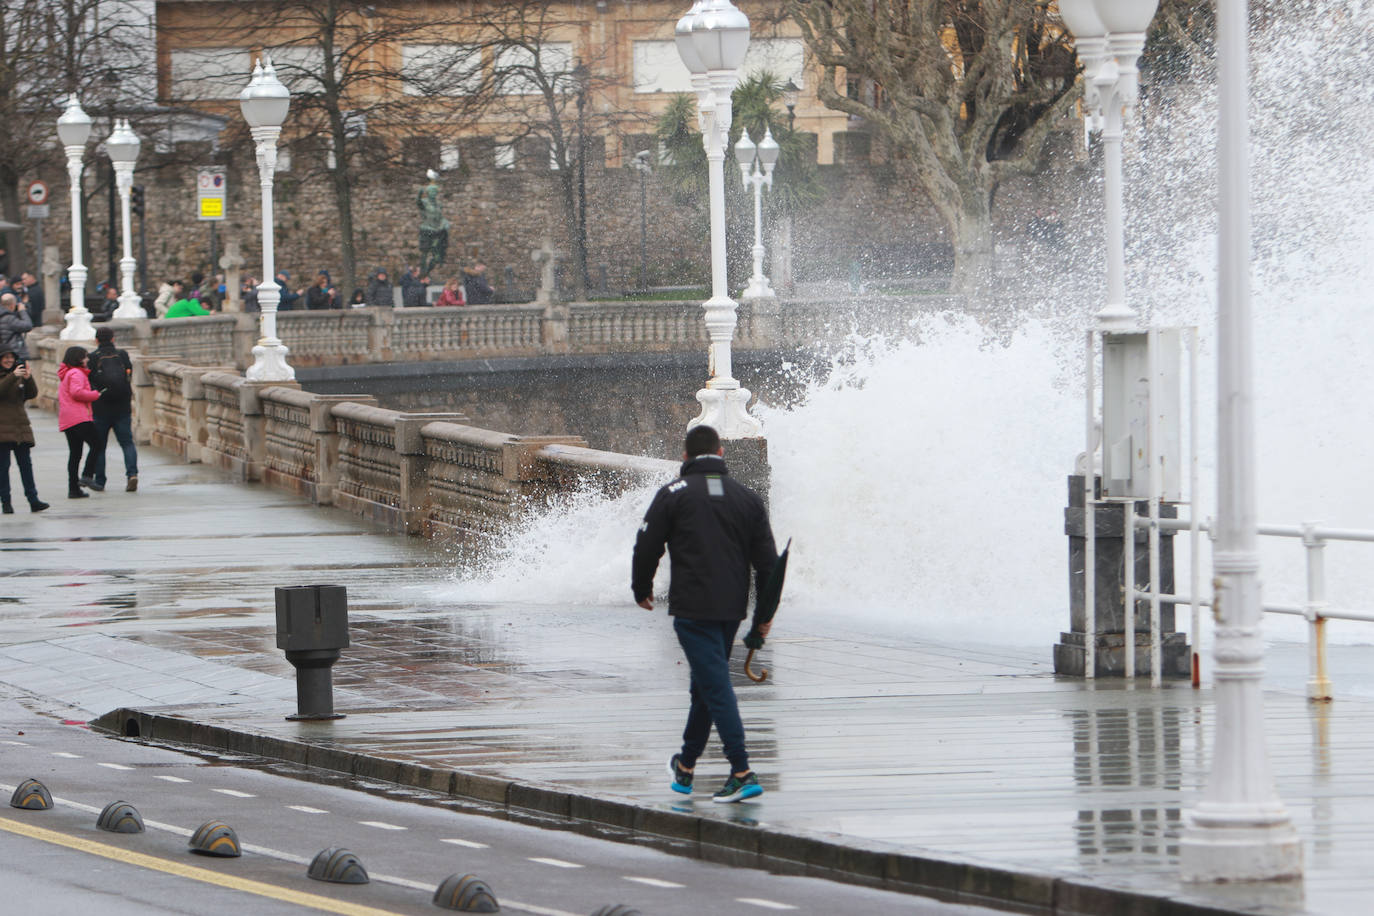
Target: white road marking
(171, 779)
(556, 863)
(653, 882)
(66, 755)
(766, 904)
(381, 825)
(470, 844)
(306, 809)
(234, 793)
(114, 766)
(19, 744)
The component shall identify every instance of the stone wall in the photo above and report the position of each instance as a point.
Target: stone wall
(869, 213)
(424, 474)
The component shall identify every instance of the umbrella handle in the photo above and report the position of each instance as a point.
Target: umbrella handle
(756, 678)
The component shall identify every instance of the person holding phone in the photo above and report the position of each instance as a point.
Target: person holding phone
(16, 435)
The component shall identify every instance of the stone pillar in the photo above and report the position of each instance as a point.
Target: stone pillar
(379, 334)
(553, 327)
(245, 337)
(1109, 613)
(52, 287)
(414, 466)
(232, 262)
(326, 434)
(255, 426)
(145, 397)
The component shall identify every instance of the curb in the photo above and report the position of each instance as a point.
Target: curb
(871, 863)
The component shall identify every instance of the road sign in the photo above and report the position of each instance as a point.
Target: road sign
(37, 211)
(211, 185)
(38, 193)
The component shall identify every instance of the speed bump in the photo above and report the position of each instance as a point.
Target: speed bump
(468, 893)
(120, 817)
(339, 866)
(214, 838)
(31, 795)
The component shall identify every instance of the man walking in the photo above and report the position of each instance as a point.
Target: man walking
(715, 530)
(110, 370)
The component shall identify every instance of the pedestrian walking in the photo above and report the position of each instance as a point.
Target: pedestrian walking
(74, 399)
(16, 435)
(15, 323)
(716, 530)
(111, 369)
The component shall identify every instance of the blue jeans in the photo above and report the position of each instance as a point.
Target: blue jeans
(21, 458)
(707, 645)
(123, 430)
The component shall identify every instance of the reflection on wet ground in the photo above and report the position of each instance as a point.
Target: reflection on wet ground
(971, 750)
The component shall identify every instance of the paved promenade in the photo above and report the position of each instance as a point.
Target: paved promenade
(972, 770)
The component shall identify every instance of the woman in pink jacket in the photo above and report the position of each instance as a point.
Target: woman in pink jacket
(74, 399)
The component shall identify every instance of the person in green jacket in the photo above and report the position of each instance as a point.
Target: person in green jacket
(185, 308)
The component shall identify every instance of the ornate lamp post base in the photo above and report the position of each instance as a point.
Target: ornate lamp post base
(1211, 852)
(726, 409)
(269, 363)
(78, 326)
(758, 288)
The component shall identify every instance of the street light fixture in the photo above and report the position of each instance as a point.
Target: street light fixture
(73, 130)
(122, 147)
(791, 92)
(712, 40)
(1240, 830)
(1110, 34)
(756, 168)
(264, 102)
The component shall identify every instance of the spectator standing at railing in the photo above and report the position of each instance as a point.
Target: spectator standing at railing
(321, 295)
(170, 291)
(248, 292)
(186, 308)
(413, 288)
(452, 294)
(476, 289)
(290, 299)
(379, 290)
(14, 324)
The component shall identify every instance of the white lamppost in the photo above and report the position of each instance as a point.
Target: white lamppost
(122, 147)
(1110, 34)
(73, 130)
(756, 168)
(712, 40)
(1240, 830)
(265, 102)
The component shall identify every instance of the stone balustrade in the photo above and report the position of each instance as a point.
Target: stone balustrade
(378, 335)
(424, 474)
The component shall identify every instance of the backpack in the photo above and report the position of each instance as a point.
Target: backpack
(110, 377)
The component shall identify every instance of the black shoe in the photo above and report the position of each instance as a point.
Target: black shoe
(77, 493)
(682, 780)
(92, 485)
(739, 788)
(6, 508)
(37, 505)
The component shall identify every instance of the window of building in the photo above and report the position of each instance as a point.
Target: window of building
(450, 157)
(441, 69)
(658, 68)
(505, 155)
(298, 66)
(209, 73)
(517, 66)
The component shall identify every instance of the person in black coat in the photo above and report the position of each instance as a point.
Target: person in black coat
(378, 293)
(476, 289)
(321, 295)
(716, 531)
(413, 292)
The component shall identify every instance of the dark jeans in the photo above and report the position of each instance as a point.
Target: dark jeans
(21, 458)
(123, 430)
(77, 436)
(707, 645)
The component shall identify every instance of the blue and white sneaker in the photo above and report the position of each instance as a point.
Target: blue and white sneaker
(682, 779)
(737, 789)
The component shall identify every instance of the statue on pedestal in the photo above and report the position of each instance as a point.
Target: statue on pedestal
(433, 226)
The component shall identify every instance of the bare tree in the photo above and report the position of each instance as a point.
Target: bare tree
(963, 92)
(548, 89)
(50, 49)
(364, 81)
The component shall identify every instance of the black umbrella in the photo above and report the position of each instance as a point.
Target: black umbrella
(765, 606)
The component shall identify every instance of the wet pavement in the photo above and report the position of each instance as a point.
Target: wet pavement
(163, 600)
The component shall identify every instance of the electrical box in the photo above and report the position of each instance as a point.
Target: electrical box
(1140, 378)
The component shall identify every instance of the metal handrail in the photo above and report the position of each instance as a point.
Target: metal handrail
(1315, 610)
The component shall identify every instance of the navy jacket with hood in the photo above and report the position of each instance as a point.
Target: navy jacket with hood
(715, 530)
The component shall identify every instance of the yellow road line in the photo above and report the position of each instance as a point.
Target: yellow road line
(181, 870)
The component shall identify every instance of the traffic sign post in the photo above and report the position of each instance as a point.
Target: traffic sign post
(37, 210)
(211, 187)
